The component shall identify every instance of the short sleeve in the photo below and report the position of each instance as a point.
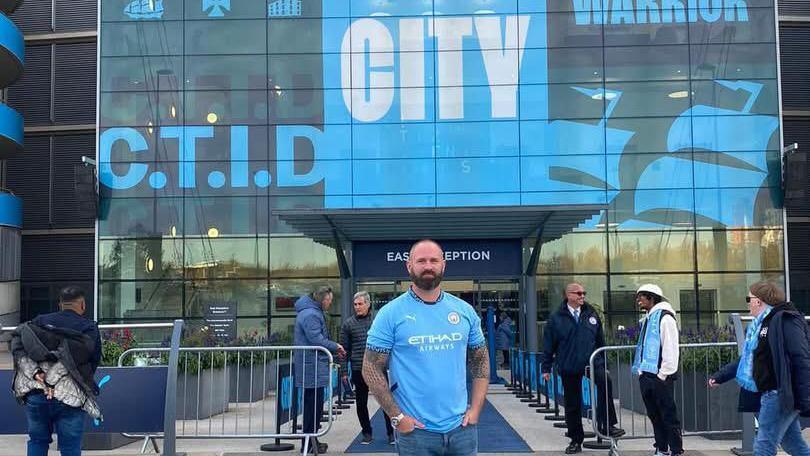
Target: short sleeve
(381, 334)
(476, 338)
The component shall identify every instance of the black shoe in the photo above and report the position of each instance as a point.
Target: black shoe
(616, 432)
(573, 448)
(392, 440)
(367, 439)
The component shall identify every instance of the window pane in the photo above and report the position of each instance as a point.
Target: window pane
(225, 258)
(231, 72)
(301, 257)
(727, 293)
(141, 300)
(573, 254)
(140, 217)
(250, 296)
(142, 259)
(651, 251)
(749, 250)
(227, 215)
(218, 37)
(733, 61)
(141, 73)
(758, 29)
(646, 63)
(142, 38)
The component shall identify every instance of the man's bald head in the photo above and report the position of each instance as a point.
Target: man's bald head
(575, 294)
(425, 241)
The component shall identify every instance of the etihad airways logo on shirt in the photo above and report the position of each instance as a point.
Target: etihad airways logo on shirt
(435, 342)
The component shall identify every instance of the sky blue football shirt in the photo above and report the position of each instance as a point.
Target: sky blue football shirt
(428, 355)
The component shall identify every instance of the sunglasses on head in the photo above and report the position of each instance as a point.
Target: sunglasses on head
(579, 293)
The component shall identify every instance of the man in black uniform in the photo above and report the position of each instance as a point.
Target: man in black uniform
(571, 336)
(353, 338)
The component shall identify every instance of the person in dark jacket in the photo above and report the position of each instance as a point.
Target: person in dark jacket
(781, 370)
(353, 334)
(742, 369)
(504, 334)
(312, 368)
(55, 359)
(571, 336)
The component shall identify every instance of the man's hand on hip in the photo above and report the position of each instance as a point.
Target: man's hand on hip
(408, 424)
(471, 417)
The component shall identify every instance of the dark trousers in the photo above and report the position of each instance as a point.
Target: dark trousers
(572, 391)
(659, 399)
(313, 409)
(361, 396)
(506, 361)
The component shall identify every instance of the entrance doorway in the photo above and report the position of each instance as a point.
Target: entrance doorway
(502, 295)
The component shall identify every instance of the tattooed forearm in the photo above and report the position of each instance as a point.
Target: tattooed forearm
(375, 366)
(478, 362)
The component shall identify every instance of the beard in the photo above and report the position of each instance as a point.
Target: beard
(426, 283)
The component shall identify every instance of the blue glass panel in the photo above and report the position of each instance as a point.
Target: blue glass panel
(384, 201)
(458, 175)
(477, 199)
(413, 140)
(475, 139)
(415, 176)
(562, 173)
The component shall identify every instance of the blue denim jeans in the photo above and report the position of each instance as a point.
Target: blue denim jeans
(777, 425)
(46, 416)
(461, 441)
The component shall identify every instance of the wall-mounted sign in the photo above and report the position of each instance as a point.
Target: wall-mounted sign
(220, 316)
(469, 258)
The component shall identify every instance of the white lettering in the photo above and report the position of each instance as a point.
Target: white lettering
(502, 60)
(353, 58)
(389, 257)
(450, 33)
(486, 255)
(412, 69)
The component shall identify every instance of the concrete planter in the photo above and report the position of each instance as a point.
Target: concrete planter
(104, 441)
(251, 385)
(201, 396)
(699, 408)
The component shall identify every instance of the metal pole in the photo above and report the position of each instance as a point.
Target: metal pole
(170, 409)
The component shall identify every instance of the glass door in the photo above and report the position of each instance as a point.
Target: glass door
(379, 292)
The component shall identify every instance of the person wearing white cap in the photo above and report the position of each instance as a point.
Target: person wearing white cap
(656, 364)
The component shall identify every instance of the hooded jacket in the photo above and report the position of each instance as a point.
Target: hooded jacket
(504, 334)
(66, 356)
(311, 367)
(569, 344)
(786, 334)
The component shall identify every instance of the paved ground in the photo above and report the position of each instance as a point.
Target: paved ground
(540, 435)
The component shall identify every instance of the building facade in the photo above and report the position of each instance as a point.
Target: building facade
(248, 151)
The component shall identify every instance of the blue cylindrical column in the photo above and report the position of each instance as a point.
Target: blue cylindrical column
(10, 242)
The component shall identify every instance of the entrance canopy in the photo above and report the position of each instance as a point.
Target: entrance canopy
(504, 222)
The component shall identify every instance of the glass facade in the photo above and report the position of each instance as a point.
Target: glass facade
(216, 114)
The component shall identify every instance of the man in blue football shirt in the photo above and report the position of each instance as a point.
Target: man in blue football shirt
(430, 342)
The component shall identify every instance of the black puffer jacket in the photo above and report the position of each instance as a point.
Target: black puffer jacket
(353, 335)
(73, 349)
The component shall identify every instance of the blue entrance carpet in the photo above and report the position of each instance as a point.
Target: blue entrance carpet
(495, 435)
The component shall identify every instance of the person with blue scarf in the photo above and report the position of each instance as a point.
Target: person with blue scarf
(656, 364)
(742, 369)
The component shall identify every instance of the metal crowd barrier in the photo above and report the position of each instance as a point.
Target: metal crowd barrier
(700, 409)
(244, 392)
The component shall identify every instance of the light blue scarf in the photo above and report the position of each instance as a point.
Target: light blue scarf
(745, 370)
(648, 348)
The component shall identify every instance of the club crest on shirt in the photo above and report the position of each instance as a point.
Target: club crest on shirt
(453, 318)
(592, 320)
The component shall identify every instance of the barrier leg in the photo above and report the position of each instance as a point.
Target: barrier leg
(556, 416)
(748, 434)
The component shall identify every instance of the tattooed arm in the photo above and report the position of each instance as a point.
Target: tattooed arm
(375, 366)
(478, 368)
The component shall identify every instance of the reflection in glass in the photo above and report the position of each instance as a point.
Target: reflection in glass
(140, 300)
(660, 251)
(141, 259)
(208, 258)
(744, 250)
(551, 292)
(249, 296)
(301, 257)
(574, 253)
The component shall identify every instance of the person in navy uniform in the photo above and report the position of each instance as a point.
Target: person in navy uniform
(570, 338)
